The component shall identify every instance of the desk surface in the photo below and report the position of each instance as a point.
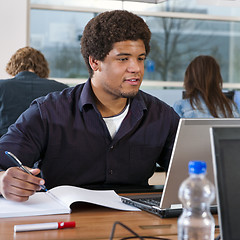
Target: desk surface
(92, 222)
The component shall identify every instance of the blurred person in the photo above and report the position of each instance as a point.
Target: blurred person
(30, 71)
(203, 96)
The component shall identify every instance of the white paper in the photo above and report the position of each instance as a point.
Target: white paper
(42, 203)
(38, 204)
(107, 198)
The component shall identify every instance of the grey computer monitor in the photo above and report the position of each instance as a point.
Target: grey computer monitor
(226, 164)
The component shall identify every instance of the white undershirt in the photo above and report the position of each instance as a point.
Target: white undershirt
(114, 123)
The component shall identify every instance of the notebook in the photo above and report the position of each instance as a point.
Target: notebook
(58, 200)
(192, 142)
(226, 164)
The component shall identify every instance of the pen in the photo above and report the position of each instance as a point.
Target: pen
(16, 161)
(43, 226)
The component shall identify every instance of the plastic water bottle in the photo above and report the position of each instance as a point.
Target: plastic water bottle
(196, 194)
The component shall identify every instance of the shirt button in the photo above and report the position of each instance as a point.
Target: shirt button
(110, 171)
(111, 147)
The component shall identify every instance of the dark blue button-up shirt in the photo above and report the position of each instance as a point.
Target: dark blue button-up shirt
(17, 93)
(66, 134)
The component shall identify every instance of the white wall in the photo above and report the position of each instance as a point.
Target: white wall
(13, 30)
(169, 96)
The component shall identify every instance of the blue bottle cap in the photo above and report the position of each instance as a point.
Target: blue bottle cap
(197, 167)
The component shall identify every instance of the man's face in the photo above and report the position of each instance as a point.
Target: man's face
(121, 72)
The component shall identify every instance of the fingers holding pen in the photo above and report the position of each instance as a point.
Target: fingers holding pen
(18, 185)
(31, 182)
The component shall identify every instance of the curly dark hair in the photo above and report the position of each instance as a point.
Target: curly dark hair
(28, 58)
(108, 28)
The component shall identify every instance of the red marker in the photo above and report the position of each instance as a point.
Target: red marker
(43, 226)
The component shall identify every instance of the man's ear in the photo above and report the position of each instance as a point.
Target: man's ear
(95, 64)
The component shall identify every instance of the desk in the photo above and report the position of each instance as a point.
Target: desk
(92, 222)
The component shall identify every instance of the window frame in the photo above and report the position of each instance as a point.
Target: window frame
(162, 14)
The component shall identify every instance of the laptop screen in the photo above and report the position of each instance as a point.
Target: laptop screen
(226, 163)
(192, 143)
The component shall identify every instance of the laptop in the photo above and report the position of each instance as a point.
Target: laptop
(192, 142)
(226, 164)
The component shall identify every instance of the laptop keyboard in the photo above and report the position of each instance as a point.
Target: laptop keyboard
(154, 201)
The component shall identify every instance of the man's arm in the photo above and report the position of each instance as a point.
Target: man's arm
(16, 185)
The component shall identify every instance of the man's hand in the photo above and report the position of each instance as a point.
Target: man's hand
(17, 185)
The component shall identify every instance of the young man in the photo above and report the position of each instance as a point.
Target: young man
(105, 131)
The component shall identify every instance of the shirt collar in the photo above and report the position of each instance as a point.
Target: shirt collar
(88, 98)
(138, 101)
(26, 73)
(87, 95)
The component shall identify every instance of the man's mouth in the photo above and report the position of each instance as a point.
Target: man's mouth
(132, 79)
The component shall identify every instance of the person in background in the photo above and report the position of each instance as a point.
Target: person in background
(30, 71)
(203, 96)
(102, 132)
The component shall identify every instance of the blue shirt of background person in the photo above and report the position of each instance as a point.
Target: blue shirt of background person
(66, 133)
(204, 97)
(185, 110)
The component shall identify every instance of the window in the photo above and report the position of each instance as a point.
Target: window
(181, 30)
(58, 37)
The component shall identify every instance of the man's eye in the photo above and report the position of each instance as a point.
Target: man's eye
(141, 58)
(122, 59)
